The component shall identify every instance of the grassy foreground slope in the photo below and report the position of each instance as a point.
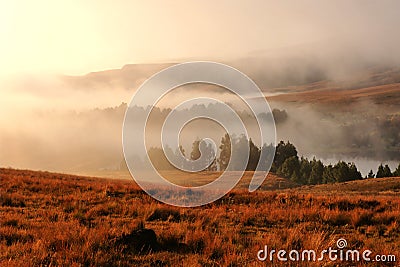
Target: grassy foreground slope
(50, 219)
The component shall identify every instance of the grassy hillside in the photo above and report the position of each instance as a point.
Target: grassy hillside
(53, 219)
(388, 94)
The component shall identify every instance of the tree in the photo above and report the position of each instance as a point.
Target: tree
(283, 152)
(344, 172)
(305, 170)
(240, 147)
(354, 174)
(290, 169)
(195, 154)
(317, 170)
(371, 174)
(397, 171)
(341, 172)
(266, 156)
(387, 171)
(207, 156)
(254, 156)
(380, 172)
(328, 175)
(383, 171)
(225, 153)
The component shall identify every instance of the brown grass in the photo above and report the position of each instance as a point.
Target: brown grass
(388, 94)
(63, 220)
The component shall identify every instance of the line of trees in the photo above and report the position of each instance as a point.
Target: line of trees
(239, 144)
(286, 162)
(384, 171)
(303, 171)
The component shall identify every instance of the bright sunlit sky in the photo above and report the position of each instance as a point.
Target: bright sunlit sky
(76, 37)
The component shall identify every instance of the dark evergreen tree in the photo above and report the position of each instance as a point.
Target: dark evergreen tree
(344, 172)
(305, 170)
(290, 169)
(266, 156)
(380, 172)
(387, 171)
(354, 174)
(283, 152)
(317, 170)
(341, 172)
(328, 175)
(225, 153)
(383, 171)
(397, 171)
(254, 156)
(371, 174)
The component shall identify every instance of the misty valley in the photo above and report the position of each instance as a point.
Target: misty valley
(89, 141)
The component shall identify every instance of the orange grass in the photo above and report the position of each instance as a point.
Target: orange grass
(52, 219)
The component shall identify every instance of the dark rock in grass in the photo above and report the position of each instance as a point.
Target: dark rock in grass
(139, 241)
(174, 246)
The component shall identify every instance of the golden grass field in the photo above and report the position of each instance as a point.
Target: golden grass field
(50, 219)
(326, 94)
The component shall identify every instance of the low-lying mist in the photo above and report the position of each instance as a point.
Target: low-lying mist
(62, 123)
(91, 140)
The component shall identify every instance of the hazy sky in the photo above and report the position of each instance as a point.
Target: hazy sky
(76, 37)
(40, 37)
